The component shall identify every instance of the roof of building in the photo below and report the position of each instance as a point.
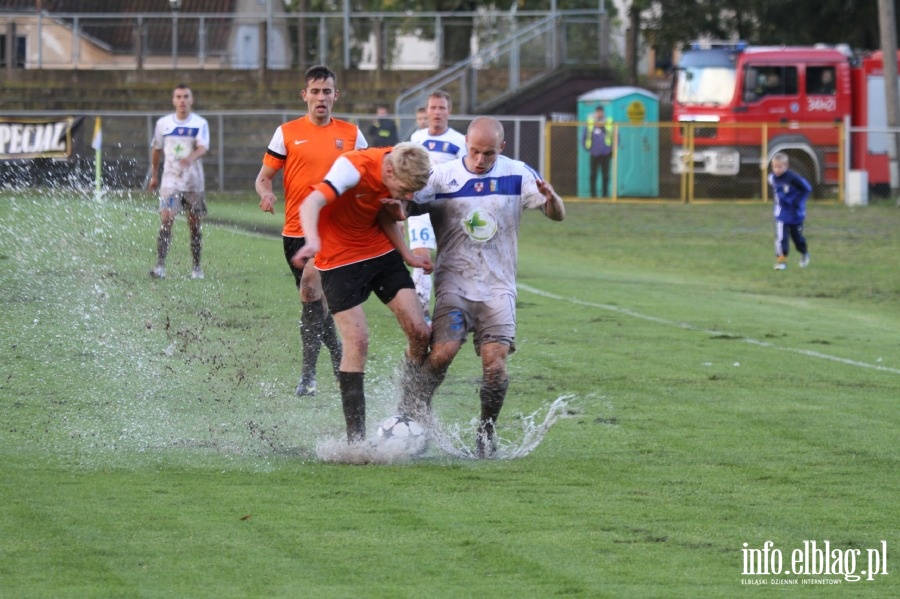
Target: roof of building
(119, 35)
(118, 6)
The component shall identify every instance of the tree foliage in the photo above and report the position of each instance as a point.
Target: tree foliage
(668, 24)
(789, 22)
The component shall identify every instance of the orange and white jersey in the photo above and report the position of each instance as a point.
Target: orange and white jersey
(348, 224)
(306, 151)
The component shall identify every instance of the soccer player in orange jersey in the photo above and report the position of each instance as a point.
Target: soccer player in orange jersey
(342, 218)
(305, 149)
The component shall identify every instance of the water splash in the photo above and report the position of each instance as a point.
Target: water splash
(454, 440)
(366, 452)
(165, 381)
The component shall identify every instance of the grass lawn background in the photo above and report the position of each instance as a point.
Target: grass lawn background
(152, 445)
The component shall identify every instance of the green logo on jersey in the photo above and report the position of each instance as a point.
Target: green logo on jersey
(480, 226)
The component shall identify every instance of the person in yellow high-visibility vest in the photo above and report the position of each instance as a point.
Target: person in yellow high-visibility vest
(383, 131)
(598, 141)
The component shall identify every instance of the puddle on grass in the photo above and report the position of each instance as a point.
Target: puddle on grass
(454, 440)
(147, 388)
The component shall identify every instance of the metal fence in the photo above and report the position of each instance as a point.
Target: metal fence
(274, 39)
(652, 161)
(664, 161)
(238, 140)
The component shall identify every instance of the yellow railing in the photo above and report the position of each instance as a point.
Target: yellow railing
(696, 162)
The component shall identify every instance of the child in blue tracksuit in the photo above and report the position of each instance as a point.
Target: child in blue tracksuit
(789, 194)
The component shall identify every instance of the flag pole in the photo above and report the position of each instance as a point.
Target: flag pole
(97, 144)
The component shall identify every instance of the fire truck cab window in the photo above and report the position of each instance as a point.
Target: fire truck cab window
(765, 81)
(820, 81)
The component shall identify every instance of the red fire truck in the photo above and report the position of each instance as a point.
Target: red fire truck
(799, 92)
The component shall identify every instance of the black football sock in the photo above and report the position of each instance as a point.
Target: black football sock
(331, 340)
(196, 245)
(162, 243)
(492, 399)
(409, 374)
(311, 322)
(430, 381)
(353, 400)
(417, 386)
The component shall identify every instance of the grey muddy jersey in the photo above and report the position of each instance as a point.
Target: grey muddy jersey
(476, 221)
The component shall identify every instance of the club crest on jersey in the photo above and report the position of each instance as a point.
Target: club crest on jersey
(479, 187)
(339, 144)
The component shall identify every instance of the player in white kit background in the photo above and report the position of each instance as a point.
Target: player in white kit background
(443, 144)
(180, 140)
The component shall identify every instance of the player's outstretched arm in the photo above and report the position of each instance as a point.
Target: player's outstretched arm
(155, 159)
(555, 209)
(264, 190)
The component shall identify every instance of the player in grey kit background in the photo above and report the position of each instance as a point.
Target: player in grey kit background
(476, 206)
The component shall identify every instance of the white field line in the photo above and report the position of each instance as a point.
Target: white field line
(691, 327)
(239, 231)
(671, 323)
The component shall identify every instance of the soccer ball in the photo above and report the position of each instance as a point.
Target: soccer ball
(401, 433)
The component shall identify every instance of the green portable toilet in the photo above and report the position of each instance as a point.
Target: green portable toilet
(636, 154)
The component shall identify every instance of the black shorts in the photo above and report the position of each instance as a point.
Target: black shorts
(292, 245)
(348, 286)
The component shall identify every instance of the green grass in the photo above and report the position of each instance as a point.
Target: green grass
(152, 445)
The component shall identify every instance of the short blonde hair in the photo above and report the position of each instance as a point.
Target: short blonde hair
(781, 158)
(412, 165)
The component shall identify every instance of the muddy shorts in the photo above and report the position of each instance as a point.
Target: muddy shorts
(492, 321)
(191, 201)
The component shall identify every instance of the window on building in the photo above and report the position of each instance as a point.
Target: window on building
(19, 51)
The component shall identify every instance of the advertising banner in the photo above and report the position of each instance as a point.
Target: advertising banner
(36, 137)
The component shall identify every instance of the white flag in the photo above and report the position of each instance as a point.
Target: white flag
(98, 135)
